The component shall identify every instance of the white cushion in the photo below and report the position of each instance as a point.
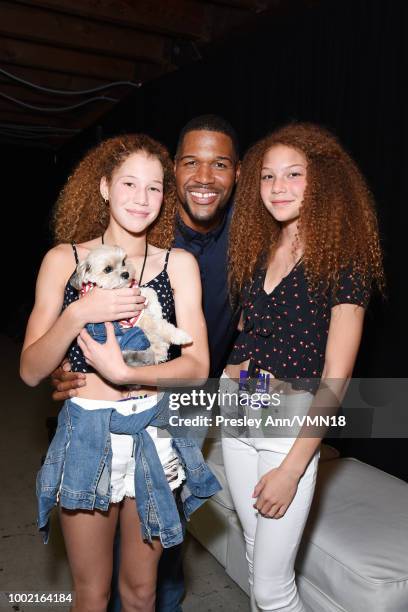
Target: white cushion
(354, 552)
(355, 545)
(313, 599)
(237, 565)
(212, 452)
(210, 526)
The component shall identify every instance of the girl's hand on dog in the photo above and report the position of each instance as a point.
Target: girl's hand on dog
(275, 492)
(101, 305)
(105, 358)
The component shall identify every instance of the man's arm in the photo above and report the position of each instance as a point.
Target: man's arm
(65, 383)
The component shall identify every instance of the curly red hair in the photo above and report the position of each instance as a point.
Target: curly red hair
(337, 224)
(81, 214)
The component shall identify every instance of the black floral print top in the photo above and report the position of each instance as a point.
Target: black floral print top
(285, 332)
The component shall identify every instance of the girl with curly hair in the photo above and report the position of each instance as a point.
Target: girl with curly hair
(304, 254)
(122, 193)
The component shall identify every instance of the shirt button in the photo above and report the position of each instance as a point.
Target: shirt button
(134, 407)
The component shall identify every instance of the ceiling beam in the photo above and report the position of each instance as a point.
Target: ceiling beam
(63, 120)
(72, 82)
(66, 61)
(244, 5)
(66, 120)
(43, 99)
(47, 78)
(15, 115)
(52, 145)
(63, 31)
(20, 135)
(179, 18)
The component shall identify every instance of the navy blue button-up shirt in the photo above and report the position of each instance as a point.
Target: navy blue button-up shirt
(210, 250)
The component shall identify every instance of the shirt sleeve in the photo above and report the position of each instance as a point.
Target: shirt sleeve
(351, 289)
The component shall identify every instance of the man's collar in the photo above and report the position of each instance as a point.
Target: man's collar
(190, 234)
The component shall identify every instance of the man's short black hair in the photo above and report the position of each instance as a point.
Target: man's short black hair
(210, 123)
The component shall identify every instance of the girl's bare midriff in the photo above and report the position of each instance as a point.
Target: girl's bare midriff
(97, 388)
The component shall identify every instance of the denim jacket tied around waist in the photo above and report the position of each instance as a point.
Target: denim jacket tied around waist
(77, 469)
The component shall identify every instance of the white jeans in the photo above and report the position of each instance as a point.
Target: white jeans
(271, 544)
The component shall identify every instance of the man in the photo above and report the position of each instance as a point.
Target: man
(206, 168)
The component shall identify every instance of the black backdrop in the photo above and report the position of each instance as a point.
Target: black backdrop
(341, 64)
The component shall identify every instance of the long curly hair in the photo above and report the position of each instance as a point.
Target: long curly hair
(80, 212)
(337, 224)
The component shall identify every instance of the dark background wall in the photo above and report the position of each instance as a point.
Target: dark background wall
(28, 188)
(340, 64)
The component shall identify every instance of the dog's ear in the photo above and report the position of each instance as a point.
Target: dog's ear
(81, 274)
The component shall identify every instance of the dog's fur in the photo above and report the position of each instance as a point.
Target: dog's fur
(106, 267)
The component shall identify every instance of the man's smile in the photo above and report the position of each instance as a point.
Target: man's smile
(203, 197)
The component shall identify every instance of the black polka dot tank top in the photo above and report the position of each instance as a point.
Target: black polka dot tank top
(160, 283)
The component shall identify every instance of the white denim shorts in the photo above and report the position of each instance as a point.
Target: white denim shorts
(123, 462)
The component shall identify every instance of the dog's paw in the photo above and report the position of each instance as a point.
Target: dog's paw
(179, 336)
(160, 350)
(139, 358)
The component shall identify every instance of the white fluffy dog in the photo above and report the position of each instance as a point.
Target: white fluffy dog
(106, 267)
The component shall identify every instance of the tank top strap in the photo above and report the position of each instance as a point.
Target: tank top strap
(166, 261)
(75, 252)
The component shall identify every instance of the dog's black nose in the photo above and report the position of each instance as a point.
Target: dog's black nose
(125, 275)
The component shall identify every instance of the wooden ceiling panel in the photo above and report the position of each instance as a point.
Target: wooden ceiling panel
(245, 5)
(177, 18)
(25, 53)
(81, 44)
(37, 99)
(22, 117)
(53, 80)
(67, 32)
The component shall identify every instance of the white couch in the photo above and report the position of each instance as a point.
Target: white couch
(354, 552)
